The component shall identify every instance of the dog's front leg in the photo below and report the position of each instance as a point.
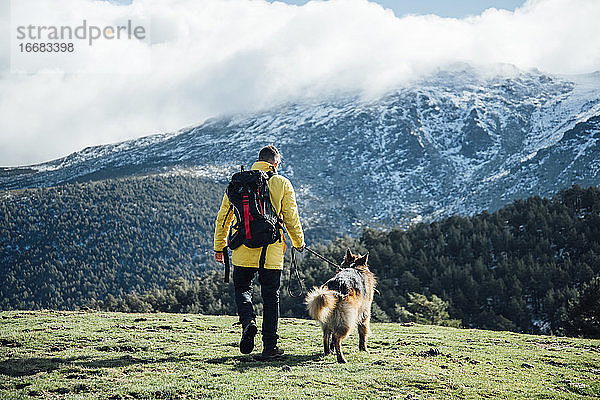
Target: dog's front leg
(337, 342)
(331, 344)
(327, 344)
(363, 333)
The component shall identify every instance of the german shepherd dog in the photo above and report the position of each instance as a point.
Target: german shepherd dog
(343, 302)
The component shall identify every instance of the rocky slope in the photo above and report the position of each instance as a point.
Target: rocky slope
(459, 141)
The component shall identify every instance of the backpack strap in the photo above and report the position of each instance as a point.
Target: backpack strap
(247, 216)
(281, 225)
(227, 264)
(263, 256)
(227, 215)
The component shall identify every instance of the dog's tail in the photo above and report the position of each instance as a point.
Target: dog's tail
(320, 302)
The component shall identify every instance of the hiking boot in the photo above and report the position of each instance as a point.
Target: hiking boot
(247, 342)
(270, 354)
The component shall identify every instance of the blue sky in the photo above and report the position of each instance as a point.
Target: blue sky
(443, 8)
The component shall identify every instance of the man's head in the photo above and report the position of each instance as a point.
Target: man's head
(270, 154)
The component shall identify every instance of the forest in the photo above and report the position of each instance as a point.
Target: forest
(144, 244)
(63, 246)
(532, 266)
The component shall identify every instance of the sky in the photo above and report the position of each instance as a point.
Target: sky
(442, 8)
(213, 57)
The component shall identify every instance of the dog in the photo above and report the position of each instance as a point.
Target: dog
(343, 302)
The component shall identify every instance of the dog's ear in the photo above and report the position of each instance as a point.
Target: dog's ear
(362, 260)
(349, 257)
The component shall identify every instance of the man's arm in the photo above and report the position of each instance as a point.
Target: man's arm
(222, 224)
(291, 220)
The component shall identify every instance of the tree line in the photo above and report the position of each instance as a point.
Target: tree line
(62, 246)
(532, 266)
(145, 244)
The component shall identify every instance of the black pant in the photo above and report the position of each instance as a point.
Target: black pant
(269, 280)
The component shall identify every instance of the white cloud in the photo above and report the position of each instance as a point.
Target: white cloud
(219, 56)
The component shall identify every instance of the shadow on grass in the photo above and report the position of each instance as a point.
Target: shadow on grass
(243, 363)
(30, 366)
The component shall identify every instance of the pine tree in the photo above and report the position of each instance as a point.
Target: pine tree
(584, 312)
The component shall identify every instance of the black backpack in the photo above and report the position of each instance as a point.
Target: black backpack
(257, 224)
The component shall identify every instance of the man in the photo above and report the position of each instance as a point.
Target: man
(246, 260)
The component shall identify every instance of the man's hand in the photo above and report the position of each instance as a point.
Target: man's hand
(219, 256)
(301, 248)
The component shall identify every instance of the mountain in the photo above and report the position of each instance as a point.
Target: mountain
(458, 141)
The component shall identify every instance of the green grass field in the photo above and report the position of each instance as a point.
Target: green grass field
(82, 355)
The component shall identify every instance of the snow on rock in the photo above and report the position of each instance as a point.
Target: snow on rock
(459, 141)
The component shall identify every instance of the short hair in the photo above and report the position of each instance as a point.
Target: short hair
(269, 154)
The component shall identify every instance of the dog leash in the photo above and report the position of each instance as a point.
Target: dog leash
(294, 269)
(322, 258)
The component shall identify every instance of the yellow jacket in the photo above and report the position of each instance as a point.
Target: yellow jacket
(283, 199)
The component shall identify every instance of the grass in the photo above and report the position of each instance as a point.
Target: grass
(96, 355)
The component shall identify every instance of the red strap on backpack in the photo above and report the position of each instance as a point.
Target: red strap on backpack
(247, 216)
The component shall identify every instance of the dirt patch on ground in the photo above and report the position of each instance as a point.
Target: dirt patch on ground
(563, 345)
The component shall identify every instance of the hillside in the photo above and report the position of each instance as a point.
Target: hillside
(62, 246)
(459, 141)
(80, 355)
(522, 268)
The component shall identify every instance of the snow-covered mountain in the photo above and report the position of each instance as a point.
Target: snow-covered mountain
(459, 141)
